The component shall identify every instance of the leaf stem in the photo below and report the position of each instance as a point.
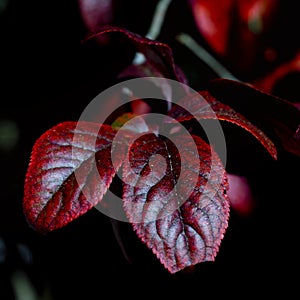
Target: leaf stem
(116, 231)
(158, 18)
(155, 27)
(205, 56)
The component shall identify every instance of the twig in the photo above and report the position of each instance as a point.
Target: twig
(205, 56)
(155, 27)
(158, 18)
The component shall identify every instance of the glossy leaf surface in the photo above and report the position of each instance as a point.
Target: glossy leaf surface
(67, 176)
(180, 231)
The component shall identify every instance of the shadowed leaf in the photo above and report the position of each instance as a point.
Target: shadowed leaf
(275, 116)
(157, 54)
(206, 106)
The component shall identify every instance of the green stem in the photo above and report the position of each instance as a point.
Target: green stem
(155, 27)
(205, 56)
(158, 19)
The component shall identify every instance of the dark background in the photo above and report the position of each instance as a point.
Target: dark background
(47, 77)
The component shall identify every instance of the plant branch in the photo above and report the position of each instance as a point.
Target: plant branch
(155, 27)
(205, 56)
(158, 18)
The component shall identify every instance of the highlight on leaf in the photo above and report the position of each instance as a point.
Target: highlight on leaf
(183, 194)
(182, 223)
(66, 177)
(203, 105)
(273, 115)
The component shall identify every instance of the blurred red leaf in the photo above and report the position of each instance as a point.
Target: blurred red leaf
(234, 29)
(213, 21)
(96, 13)
(181, 232)
(268, 83)
(240, 195)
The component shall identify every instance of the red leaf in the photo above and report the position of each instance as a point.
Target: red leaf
(205, 106)
(96, 13)
(67, 176)
(157, 61)
(240, 195)
(158, 55)
(181, 231)
(214, 24)
(275, 116)
(235, 30)
(269, 82)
